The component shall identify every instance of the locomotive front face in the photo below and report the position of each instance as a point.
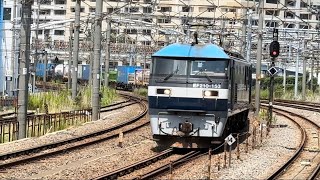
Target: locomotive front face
(188, 98)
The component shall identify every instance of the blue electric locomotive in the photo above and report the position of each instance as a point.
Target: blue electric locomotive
(198, 94)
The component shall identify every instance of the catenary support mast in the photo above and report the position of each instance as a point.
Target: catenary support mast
(24, 66)
(259, 58)
(96, 63)
(75, 54)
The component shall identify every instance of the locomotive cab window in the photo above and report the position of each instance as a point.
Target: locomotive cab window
(162, 66)
(209, 68)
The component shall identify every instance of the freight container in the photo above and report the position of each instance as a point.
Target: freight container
(40, 69)
(141, 77)
(113, 76)
(126, 75)
(85, 72)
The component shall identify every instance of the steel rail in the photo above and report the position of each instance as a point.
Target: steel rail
(296, 104)
(138, 165)
(307, 103)
(315, 173)
(281, 170)
(184, 159)
(40, 148)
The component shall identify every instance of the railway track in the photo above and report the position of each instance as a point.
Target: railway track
(35, 153)
(310, 106)
(126, 171)
(303, 164)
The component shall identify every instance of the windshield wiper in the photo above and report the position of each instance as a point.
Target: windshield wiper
(205, 75)
(171, 74)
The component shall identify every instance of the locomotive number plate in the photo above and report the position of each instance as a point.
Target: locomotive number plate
(197, 85)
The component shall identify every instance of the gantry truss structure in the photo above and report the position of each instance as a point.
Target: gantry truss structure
(139, 28)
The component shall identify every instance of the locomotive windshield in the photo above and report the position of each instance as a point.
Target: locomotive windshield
(168, 68)
(209, 68)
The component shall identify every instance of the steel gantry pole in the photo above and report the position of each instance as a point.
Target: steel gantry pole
(106, 69)
(244, 32)
(312, 69)
(45, 60)
(285, 70)
(24, 66)
(70, 55)
(75, 54)
(91, 55)
(304, 73)
(249, 39)
(259, 58)
(96, 62)
(36, 59)
(296, 74)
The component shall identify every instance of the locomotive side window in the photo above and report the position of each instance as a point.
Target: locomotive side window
(209, 68)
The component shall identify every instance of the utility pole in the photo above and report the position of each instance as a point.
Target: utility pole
(274, 52)
(13, 47)
(259, 58)
(106, 70)
(297, 73)
(285, 70)
(304, 73)
(70, 55)
(244, 32)
(312, 68)
(91, 55)
(45, 60)
(249, 40)
(36, 48)
(318, 72)
(96, 63)
(167, 42)
(24, 66)
(76, 50)
(223, 23)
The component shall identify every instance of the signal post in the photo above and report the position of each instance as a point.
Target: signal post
(274, 52)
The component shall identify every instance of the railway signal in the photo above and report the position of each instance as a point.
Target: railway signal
(272, 71)
(274, 49)
(274, 52)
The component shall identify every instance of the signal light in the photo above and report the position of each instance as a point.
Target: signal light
(274, 49)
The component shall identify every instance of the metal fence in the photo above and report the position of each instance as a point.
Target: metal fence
(38, 125)
(8, 101)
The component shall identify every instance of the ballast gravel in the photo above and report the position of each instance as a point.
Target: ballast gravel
(50, 166)
(258, 163)
(106, 121)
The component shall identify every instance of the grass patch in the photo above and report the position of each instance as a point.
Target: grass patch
(56, 101)
(289, 95)
(141, 92)
(61, 101)
(108, 96)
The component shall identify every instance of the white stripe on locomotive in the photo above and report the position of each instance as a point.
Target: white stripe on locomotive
(187, 92)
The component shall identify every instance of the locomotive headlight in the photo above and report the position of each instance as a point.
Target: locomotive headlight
(208, 93)
(164, 91)
(167, 91)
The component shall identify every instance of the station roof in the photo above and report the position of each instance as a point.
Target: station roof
(192, 51)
